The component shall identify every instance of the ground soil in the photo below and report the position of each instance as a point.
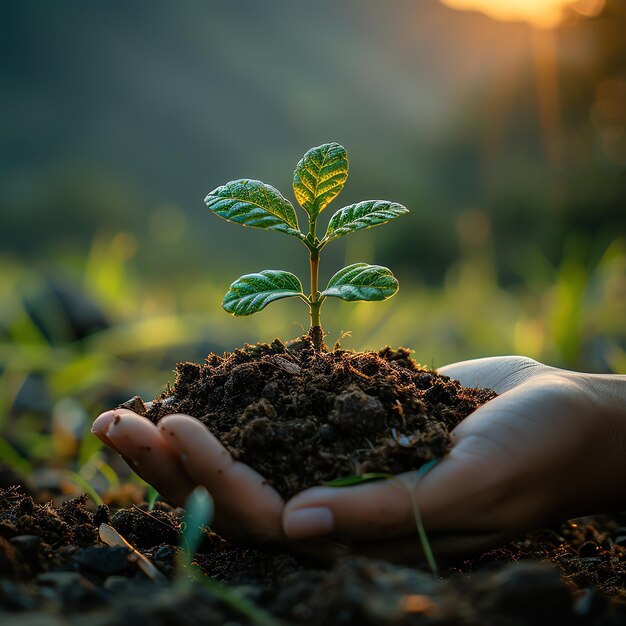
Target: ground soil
(301, 417)
(54, 571)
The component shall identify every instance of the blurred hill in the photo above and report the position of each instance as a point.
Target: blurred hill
(121, 116)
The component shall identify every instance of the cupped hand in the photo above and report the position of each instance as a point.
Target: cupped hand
(550, 447)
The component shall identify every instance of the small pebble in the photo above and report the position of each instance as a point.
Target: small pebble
(104, 560)
(135, 404)
(28, 545)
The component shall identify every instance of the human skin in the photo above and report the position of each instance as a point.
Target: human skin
(551, 446)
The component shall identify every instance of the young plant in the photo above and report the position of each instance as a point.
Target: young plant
(319, 178)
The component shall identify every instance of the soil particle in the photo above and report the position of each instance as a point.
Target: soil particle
(135, 404)
(9, 563)
(102, 560)
(301, 417)
(354, 412)
(164, 557)
(28, 547)
(147, 529)
(102, 515)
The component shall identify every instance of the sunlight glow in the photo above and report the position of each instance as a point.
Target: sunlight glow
(541, 13)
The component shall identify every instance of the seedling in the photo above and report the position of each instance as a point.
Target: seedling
(319, 178)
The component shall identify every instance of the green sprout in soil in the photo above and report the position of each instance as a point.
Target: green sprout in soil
(319, 178)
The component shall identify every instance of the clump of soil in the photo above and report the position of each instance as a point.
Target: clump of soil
(301, 417)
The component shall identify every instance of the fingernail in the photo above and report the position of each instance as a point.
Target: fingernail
(307, 523)
(102, 422)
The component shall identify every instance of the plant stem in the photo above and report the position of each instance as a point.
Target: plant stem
(314, 264)
(315, 331)
(316, 327)
(315, 314)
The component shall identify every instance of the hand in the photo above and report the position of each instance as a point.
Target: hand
(551, 446)
(180, 453)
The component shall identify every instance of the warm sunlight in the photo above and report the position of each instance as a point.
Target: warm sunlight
(542, 13)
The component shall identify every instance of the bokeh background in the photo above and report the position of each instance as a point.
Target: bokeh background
(499, 123)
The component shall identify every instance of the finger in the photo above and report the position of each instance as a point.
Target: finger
(100, 427)
(450, 499)
(244, 500)
(498, 373)
(139, 442)
(380, 508)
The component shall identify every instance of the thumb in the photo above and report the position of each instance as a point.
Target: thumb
(500, 373)
(382, 509)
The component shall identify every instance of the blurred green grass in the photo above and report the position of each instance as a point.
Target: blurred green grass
(53, 383)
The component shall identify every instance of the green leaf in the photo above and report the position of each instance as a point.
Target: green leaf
(151, 497)
(319, 177)
(253, 292)
(422, 471)
(361, 281)
(349, 481)
(253, 203)
(199, 511)
(362, 215)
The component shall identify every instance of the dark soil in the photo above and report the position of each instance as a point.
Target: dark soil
(54, 570)
(301, 417)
